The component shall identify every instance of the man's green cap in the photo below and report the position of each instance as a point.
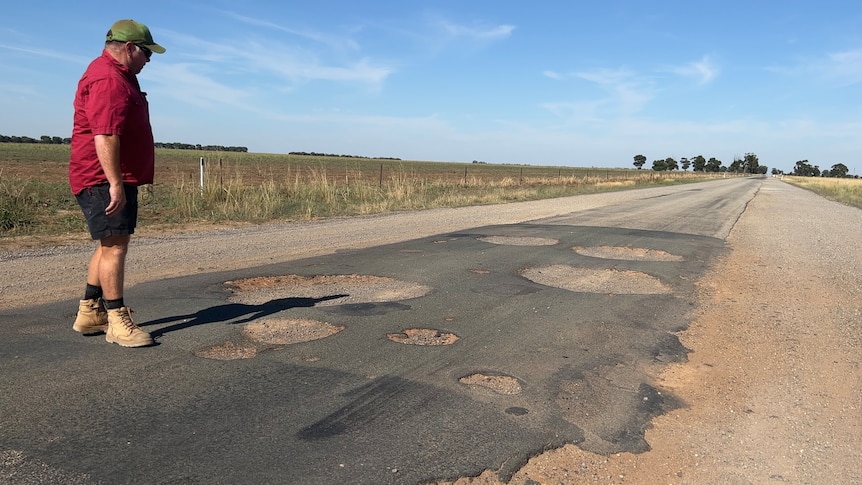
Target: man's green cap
(134, 32)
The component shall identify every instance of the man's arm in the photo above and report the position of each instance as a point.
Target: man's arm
(108, 151)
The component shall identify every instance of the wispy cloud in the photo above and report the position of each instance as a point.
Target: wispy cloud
(626, 94)
(577, 112)
(277, 62)
(440, 33)
(51, 54)
(629, 92)
(19, 89)
(844, 67)
(186, 83)
(328, 39)
(702, 71)
(305, 66)
(495, 33)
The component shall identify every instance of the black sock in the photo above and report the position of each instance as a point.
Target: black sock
(114, 304)
(92, 292)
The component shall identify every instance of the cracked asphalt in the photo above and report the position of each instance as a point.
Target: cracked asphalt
(581, 333)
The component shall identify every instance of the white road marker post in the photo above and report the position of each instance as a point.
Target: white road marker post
(203, 162)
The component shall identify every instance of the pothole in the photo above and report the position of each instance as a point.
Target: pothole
(423, 336)
(498, 383)
(327, 290)
(288, 331)
(626, 253)
(518, 240)
(228, 351)
(588, 280)
(257, 337)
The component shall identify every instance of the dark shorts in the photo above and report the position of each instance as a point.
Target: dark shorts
(94, 201)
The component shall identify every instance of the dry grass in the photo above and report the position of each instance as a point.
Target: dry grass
(845, 190)
(255, 188)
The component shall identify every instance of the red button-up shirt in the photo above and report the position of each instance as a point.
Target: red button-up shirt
(109, 101)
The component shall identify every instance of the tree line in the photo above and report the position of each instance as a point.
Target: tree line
(316, 154)
(56, 140)
(749, 164)
(48, 140)
(206, 148)
(803, 168)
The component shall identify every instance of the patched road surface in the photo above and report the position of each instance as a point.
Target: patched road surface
(424, 360)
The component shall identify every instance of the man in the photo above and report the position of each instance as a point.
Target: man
(112, 154)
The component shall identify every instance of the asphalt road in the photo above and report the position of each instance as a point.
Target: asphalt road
(559, 321)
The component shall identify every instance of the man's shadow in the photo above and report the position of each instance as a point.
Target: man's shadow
(231, 311)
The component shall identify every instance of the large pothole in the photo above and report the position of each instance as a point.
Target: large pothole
(519, 240)
(626, 253)
(327, 290)
(229, 351)
(587, 280)
(288, 331)
(423, 336)
(500, 384)
(268, 334)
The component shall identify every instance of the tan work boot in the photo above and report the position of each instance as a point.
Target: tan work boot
(123, 331)
(92, 317)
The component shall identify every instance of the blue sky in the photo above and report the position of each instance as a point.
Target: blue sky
(578, 83)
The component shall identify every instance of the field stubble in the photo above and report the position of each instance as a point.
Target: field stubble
(35, 201)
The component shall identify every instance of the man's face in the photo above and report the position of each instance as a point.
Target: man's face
(139, 56)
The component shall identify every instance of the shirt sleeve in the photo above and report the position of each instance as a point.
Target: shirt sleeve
(107, 106)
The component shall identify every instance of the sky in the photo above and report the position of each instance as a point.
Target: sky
(561, 83)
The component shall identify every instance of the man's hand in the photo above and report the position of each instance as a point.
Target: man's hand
(108, 150)
(118, 200)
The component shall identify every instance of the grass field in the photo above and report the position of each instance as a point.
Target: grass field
(255, 188)
(847, 191)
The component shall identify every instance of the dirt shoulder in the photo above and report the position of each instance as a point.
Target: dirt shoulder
(773, 385)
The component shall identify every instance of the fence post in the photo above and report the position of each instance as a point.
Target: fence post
(202, 175)
(380, 181)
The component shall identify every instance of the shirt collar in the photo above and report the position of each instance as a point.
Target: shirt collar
(107, 55)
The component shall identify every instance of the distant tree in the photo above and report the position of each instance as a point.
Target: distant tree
(751, 164)
(671, 163)
(684, 163)
(659, 165)
(805, 169)
(839, 170)
(699, 164)
(714, 165)
(736, 166)
(640, 160)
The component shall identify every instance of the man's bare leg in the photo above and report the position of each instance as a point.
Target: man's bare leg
(108, 266)
(110, 257)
